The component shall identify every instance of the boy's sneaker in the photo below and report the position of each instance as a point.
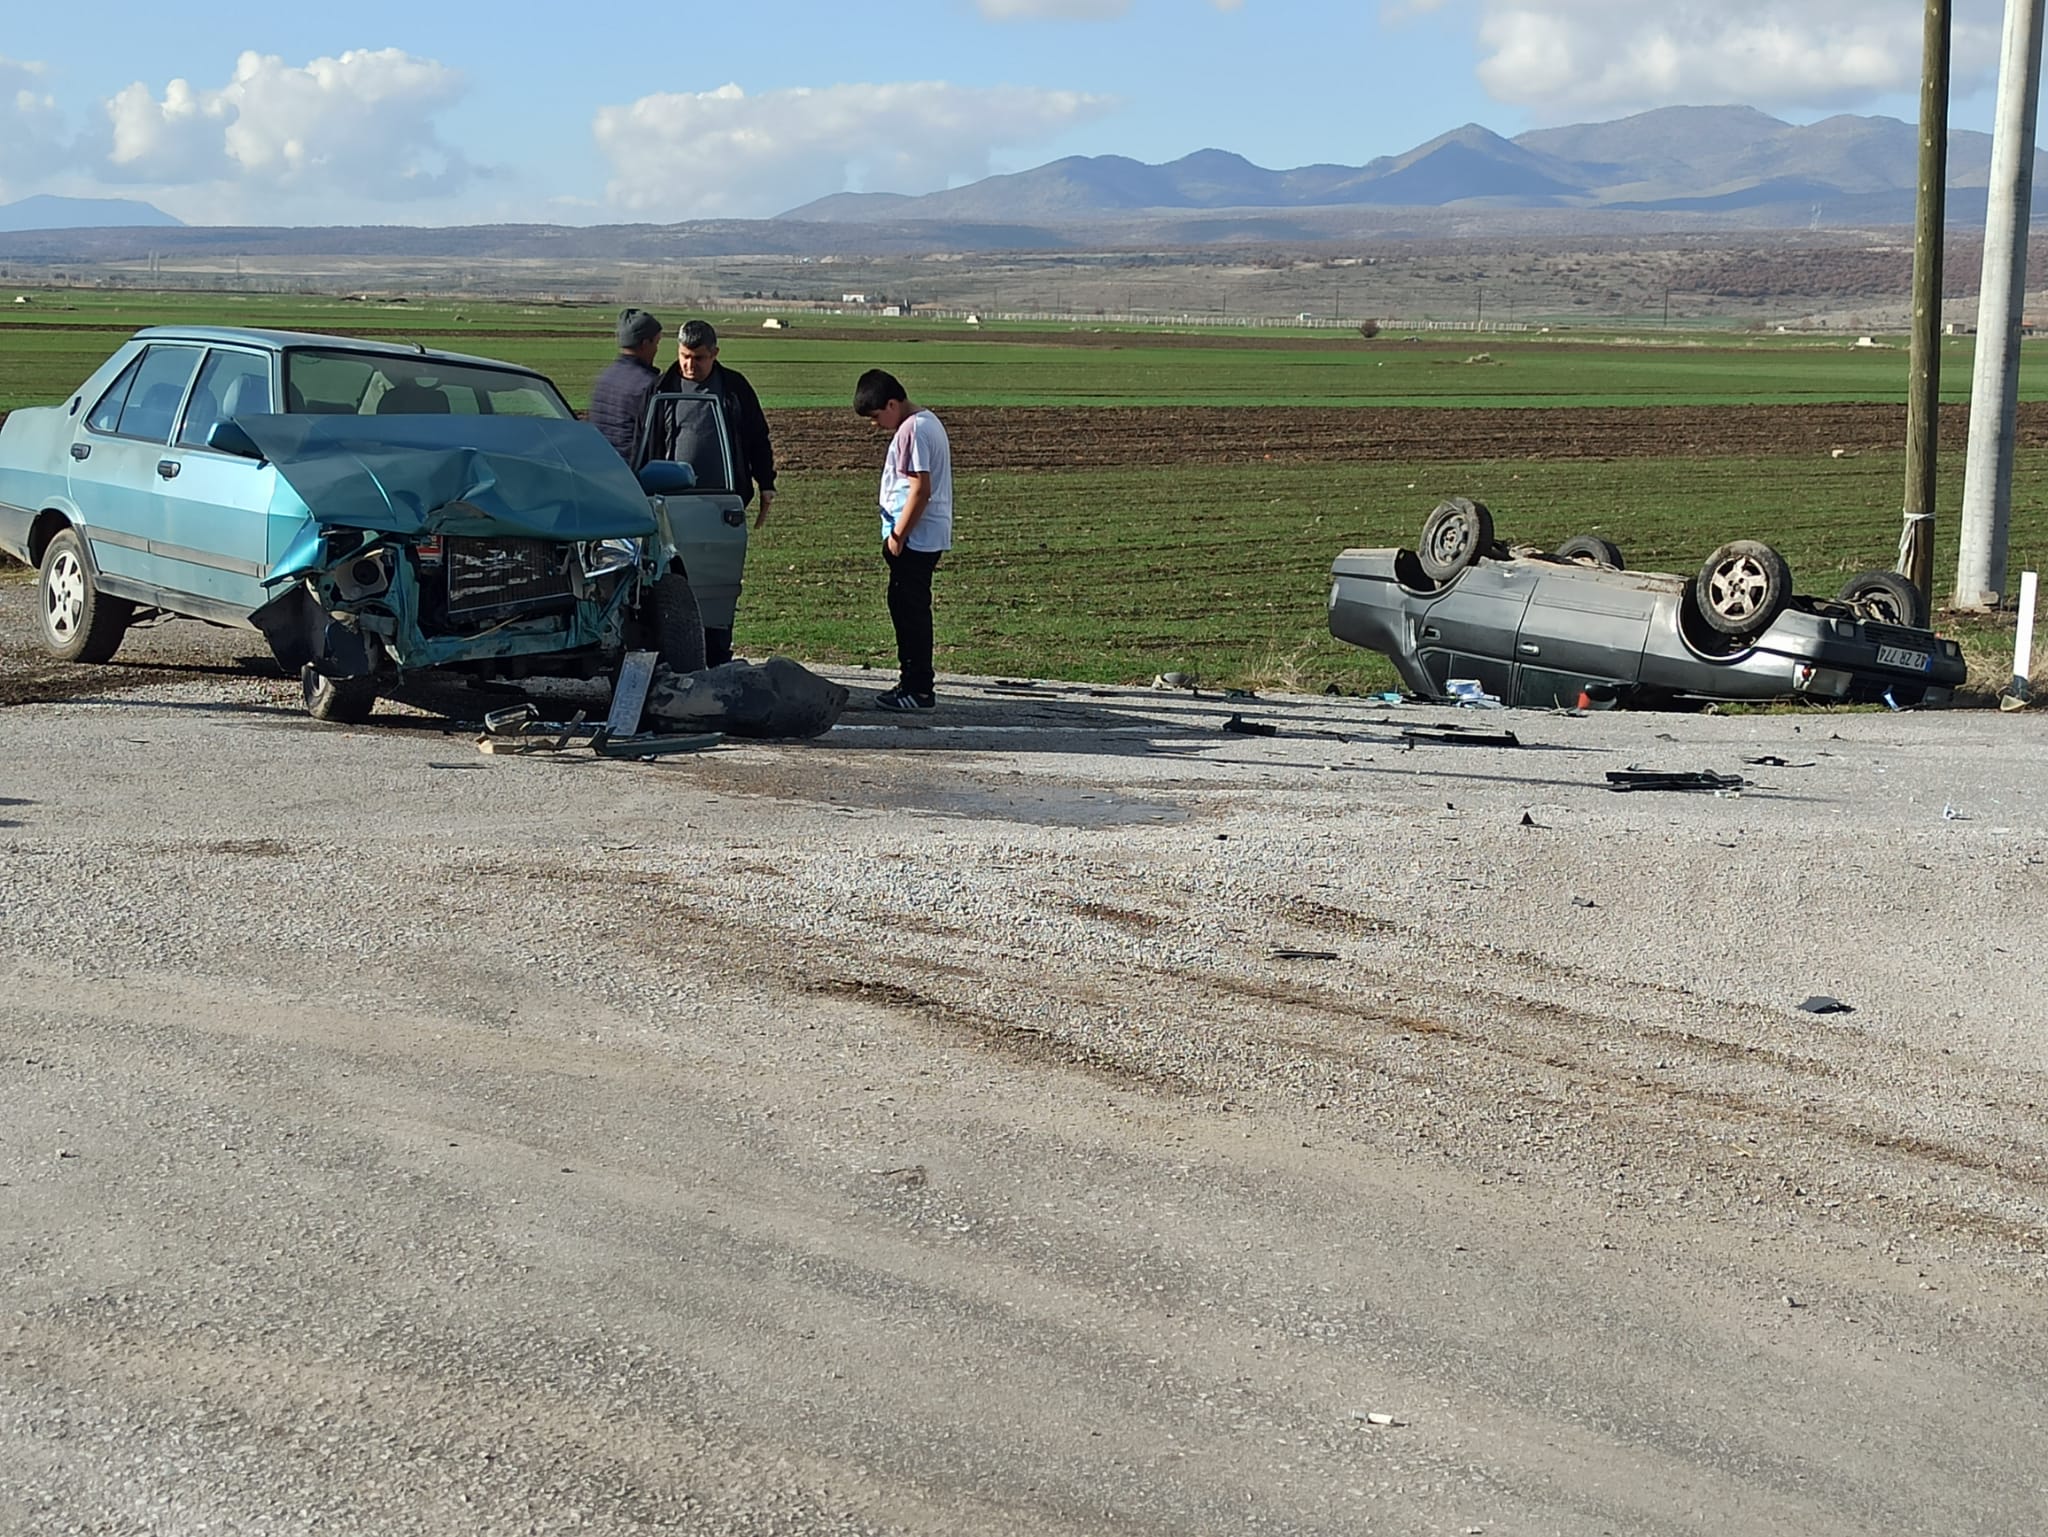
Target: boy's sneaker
(901, 698)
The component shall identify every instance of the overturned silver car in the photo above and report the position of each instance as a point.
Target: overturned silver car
(1548, 629)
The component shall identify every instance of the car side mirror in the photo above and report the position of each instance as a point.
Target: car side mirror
(232, 438)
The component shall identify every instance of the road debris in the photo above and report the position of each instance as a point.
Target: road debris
(775, 698)
(1281, 954)
(1457, 736)
(1242, 727)
(1656, 779)
(1823, 1003)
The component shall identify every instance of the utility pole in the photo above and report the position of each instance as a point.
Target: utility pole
(1923, 388)
(1995, 382)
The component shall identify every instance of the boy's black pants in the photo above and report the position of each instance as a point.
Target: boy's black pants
(910, 610)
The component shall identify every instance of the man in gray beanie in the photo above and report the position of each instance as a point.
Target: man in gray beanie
(618, 400)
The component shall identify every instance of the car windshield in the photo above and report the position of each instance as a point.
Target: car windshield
(387, 384)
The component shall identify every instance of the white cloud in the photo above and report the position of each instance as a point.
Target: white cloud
(361, 125)
(1610, 56)
(725, 154)
(31, 128)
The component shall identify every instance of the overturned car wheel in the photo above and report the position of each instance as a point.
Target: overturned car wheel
(1743, 587)
(344, 701)
(1885, 596)
(1454, 536)
(1592, 550)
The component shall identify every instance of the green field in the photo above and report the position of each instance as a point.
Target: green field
(1116, 575)
(52, 344)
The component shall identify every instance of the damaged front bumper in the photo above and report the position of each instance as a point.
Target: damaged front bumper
(354, 603)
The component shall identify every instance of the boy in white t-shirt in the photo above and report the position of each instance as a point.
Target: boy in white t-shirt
(917, 526)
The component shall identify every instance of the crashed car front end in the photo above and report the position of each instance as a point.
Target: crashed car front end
(500, 545)
(357, 603)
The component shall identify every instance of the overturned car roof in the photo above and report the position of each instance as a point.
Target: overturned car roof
(512, 476)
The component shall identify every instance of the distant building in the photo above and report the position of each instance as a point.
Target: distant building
(853, 298)
(892, 309)
(771, 324)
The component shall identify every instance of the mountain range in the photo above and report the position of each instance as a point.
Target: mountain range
(46, 212)
(1735, 162)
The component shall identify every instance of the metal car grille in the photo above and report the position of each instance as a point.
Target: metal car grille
(498, 576)
(1894, 635)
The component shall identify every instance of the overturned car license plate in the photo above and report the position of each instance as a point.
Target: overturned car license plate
(1899, 656)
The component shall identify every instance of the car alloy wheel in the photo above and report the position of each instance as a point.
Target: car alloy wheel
(1743, 587)
(64, 598)
(80, 623)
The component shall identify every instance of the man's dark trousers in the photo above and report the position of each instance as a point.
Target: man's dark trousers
(910, 610)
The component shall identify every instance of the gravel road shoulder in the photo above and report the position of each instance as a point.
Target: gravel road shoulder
(1056, 1116)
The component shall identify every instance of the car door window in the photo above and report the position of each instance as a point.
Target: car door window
(108, 412)
(152, 403)
(230, 384)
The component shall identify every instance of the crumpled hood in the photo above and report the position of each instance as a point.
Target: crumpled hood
(469, 476)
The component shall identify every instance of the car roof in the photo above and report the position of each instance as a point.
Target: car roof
(280, 341)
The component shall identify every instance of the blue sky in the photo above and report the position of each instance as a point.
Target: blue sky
(446, 113)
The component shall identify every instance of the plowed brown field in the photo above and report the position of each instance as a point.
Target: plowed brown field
(1137, 437)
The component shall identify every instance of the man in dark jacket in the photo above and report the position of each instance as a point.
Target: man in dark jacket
(682, 435)
(697, 370)
(618, 400)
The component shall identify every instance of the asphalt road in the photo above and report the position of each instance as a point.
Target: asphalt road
(1054, 1116)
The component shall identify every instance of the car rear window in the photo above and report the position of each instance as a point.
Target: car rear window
(144, 400)
(377, 384)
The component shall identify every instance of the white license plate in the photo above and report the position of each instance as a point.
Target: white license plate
(1899, 656)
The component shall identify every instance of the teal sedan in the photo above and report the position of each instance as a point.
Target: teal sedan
(375, 511)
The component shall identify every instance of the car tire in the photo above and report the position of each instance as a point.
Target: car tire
(342, 701)
(1455, 535)
(1591, 550)
(1742, 588)
(79, 622)
(1885, 596)
(670, 625)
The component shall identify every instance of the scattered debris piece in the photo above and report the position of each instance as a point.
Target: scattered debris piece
(909, 1177)
(1772, 760)
(775, 698)
(1950, 814)
(649, 745)
(1529, 821)
(1822, 1003)
(1282, 954)
(1584, 902)
(1243, 727)
(1656, 779)
(1374, 1417)
(1470, 694)
(1457, 736)
(1174, 680)
(629, 694)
